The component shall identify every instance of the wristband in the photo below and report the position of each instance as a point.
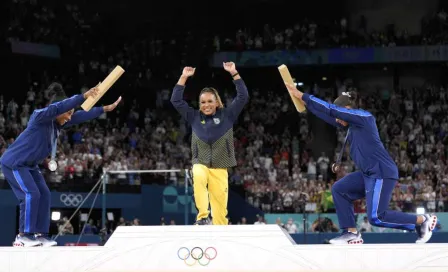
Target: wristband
(235, 75)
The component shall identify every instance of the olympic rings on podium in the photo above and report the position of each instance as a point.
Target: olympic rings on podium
(197, 255)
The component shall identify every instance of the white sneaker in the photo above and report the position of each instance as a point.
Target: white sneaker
(347, 238)
(45, 240)
(26, 241)
(425, 230)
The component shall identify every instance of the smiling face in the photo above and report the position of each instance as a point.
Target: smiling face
(208, 103)
(65, 117)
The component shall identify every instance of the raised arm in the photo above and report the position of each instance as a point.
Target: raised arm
(55, 109)
(242, 95)
(322, 108)
(351, 116)
(58, 108)
(177, 97)
(83, 116)
(324, 117)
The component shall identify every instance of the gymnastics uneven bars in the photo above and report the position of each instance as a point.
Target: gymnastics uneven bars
(106, 179)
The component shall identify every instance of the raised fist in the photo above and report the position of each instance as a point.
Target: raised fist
(188, 71)
(229, 67)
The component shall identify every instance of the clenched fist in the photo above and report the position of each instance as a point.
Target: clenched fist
(229, 67)
(188, 71)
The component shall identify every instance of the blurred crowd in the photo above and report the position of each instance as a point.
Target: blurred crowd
(48, 22)
(309, 34)
(277, 171)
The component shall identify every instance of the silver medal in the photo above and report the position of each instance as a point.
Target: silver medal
(52, 165)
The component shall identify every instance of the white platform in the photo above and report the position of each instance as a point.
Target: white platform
(242, 248)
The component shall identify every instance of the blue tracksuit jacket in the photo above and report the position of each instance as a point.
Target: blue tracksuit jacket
(366, 149)
(34, 144)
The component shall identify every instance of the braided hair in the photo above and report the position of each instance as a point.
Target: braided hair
(56, 92)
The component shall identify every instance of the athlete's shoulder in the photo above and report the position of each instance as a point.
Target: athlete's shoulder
(33, 117)
(35, 113)
(362, 112)
(32, 121)
(224, 113)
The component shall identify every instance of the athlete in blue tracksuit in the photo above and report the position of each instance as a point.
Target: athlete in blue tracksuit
(376, 178)
(20, 161)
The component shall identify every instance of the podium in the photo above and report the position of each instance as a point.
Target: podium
(222, 248)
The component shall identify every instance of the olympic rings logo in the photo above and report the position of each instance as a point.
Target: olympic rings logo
(71, 200)
(197, 255)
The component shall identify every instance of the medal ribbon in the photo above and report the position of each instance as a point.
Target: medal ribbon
(54, 142)
(343, 148)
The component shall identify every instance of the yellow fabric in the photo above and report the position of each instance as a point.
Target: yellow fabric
(211, 186)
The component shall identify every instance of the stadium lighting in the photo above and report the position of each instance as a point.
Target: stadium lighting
(110, 216)
(55, 216)
(420, 210)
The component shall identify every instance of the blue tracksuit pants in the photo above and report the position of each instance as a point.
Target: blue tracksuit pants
(377, 193)
(30, 188)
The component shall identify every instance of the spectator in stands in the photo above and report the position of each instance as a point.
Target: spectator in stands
(243, 221)
(365, 225)
(65, 227)
(90, 228)
(136, 222)
(122, 222)
(279, 222)
(324, 224)
(260, 220)
(323, 163)
(291, 227)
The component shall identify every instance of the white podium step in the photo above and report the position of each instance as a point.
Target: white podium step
(222, 248)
